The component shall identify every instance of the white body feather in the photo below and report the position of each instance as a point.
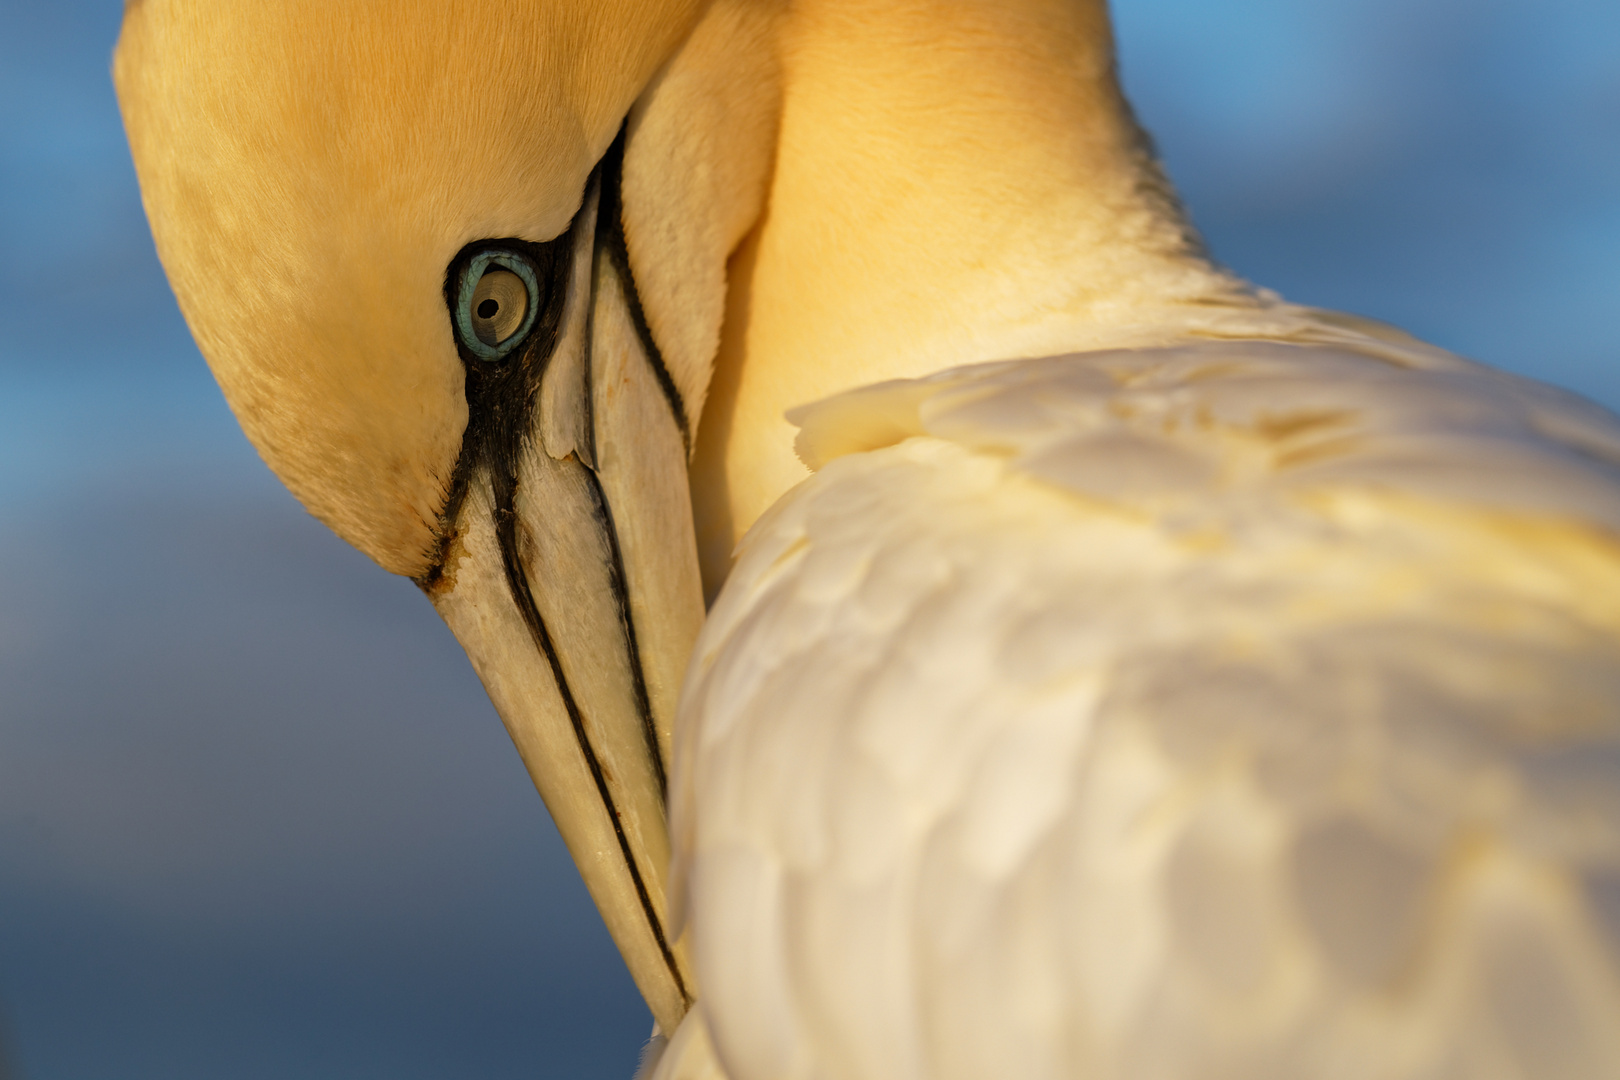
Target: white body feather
(1238, 709)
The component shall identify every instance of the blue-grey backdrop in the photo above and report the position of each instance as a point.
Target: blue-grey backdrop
(257, 818)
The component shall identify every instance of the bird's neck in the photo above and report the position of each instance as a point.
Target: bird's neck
(953, 182)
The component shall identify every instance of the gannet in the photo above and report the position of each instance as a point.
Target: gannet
(1108, 668)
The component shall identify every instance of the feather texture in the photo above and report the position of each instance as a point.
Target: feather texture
(1236, 709)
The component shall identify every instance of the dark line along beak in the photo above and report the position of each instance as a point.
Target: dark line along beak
(568, 567)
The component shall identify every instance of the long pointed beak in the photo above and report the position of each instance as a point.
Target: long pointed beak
(571, 579)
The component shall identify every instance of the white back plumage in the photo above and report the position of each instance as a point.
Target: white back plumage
(1236, 709)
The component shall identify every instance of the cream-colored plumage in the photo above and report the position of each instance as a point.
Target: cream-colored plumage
(1228, 691)
(1191, 712)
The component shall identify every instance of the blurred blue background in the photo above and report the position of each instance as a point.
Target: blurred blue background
(257, 818)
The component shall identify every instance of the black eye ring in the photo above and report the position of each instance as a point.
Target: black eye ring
(471, 274)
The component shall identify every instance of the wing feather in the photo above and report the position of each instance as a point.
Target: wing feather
(1240, 709)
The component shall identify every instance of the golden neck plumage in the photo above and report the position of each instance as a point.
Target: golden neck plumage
(953, 182)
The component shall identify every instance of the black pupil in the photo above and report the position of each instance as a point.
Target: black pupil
(487, 309)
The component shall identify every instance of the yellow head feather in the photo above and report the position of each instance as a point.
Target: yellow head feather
(310, 169)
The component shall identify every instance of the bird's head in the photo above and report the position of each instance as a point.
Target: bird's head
(399, 234)
(463, 271)
(311, 172)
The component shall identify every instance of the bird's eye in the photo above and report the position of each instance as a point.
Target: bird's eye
(497, 298)
(499, 302)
